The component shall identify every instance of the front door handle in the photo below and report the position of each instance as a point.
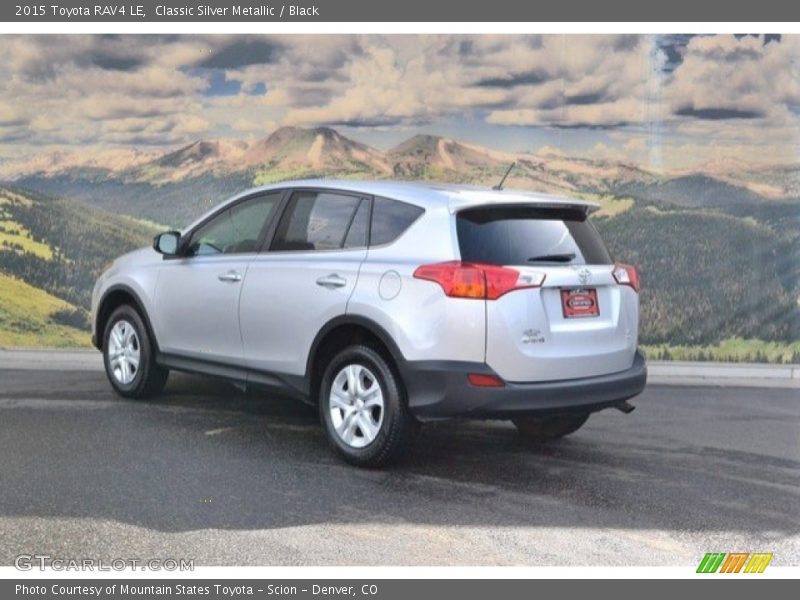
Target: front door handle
(231, 276)
(332, 281)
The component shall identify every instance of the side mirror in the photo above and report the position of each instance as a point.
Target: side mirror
(167, 243)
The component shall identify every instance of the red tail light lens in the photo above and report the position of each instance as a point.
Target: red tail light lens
(626, 275)
(482, 380)
(457, 280)
(474, 280)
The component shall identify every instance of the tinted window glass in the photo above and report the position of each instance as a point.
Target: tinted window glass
(249, 219)
(214, 236)
(236, 230)
(357, 234)
(525, 236)
(390, 218)
(316, 221)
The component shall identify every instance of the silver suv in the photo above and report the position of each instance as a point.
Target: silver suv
(385, 304)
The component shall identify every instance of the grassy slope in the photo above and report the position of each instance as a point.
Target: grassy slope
(17, 236)
(44, 296)
(25, 317)
(83, 239)
(610, 206)
(14, 234)
(730, 350)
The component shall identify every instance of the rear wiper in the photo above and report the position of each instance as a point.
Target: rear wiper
(565, 258)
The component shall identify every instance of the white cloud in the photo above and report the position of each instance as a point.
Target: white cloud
(134, 90)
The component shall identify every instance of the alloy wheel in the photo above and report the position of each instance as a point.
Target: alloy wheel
(356, 405)
(123, 352)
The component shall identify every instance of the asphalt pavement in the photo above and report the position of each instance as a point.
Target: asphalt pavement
(230, 478)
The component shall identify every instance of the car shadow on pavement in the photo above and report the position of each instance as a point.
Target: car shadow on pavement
(208, 456)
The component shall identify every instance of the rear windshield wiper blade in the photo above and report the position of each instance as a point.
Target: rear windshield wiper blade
(565, 258)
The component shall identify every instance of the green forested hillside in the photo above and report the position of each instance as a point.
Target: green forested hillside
(173, 204)
(696, 190)
(59, 247)
(708, 276)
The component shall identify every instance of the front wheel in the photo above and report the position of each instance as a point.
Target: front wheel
(129, 356)
(363, 409)
(546, 429)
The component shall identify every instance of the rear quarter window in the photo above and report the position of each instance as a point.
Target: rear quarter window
(390, 219)
(529, 235)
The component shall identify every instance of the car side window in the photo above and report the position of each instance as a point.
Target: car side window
(213, 236)
(320, 221)
(390, 218)
(236, 230)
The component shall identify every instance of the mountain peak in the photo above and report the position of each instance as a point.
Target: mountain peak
(425, 151)
(202, 151)
(289, 132)
(286, 131)
(426, 138)
(422, 142)
(318, 149)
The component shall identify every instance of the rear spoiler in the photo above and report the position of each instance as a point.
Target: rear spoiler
(533, 210)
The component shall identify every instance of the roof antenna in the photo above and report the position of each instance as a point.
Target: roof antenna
(499, 186)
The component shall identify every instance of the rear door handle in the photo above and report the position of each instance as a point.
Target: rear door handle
(332, 281)
(231, 276)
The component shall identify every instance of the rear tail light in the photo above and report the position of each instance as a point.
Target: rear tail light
(483, 380)
(474, 280)
(626, 275)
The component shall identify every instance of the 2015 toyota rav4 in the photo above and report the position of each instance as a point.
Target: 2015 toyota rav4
(386, 304)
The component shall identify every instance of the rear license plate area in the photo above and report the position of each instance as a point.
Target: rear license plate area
(579, 303)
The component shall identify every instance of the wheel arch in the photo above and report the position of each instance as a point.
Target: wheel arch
(340, 332)
(114, 297)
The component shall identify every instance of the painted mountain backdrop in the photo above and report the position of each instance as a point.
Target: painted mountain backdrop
(718, 245)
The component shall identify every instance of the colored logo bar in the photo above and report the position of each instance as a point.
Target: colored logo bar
(734, 562)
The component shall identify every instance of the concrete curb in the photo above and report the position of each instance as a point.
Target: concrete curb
(723, 374)
(50, 359)
(659, 372)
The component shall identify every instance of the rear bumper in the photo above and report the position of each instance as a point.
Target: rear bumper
(439, 389)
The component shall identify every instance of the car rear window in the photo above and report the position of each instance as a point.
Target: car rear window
(390, 218)
(529, 235)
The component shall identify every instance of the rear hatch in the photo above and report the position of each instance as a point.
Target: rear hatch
(573, 319)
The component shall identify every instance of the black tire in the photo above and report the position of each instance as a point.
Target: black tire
(546, 429)
(398, 426)
(148, 378)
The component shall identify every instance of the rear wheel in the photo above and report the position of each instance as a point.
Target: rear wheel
(363, 409)
(129, 356)
(546, 429)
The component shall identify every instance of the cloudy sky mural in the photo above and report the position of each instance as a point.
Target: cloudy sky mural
(667, 102)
